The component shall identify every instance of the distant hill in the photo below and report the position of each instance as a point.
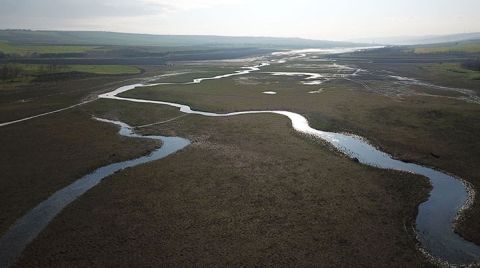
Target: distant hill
(468, 46)
(128, 39)
(420, 40)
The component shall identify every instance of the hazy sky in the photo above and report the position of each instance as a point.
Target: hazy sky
(319, 19)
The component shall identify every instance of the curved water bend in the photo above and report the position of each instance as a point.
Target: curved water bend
(31, 224)
(436, 216)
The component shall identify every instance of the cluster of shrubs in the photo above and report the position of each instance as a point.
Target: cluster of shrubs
(473, 65)
(10, 71)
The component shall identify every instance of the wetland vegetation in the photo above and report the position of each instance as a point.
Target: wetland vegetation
(249, 190)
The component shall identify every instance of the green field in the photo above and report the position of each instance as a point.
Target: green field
(453, 70)
(102, 69)
(39, 69)
(25, 50)
(467, 47)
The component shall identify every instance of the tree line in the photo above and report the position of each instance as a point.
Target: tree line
(11, 71)
(473, 65)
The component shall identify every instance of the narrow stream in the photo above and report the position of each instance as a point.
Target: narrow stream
(25, 229)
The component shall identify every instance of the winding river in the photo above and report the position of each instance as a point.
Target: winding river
(436, 217)
(434, 223)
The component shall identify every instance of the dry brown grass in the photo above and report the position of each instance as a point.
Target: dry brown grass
(249, 192)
